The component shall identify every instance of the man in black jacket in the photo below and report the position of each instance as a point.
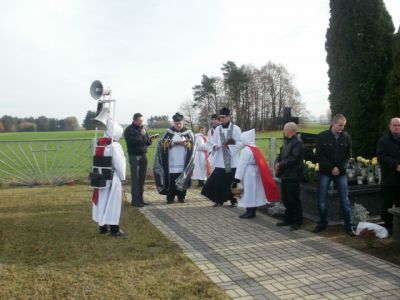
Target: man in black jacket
(332, 153)
(388, 153)
(289, 167)
(137, 142)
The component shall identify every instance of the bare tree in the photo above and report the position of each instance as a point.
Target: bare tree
(256, 96)
(189, 110)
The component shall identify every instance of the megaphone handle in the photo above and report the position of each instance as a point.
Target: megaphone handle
(99, 108)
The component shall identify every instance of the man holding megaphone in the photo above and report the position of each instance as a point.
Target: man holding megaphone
(137, 141)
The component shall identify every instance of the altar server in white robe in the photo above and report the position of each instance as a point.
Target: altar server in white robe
(107, 211)
(214, 123)
(201, 164)
(254, 175)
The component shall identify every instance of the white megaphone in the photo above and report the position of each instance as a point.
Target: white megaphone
(97, 90)
(99, 93)
(103, 115)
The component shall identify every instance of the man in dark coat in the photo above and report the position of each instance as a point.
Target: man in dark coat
(332, 153)
(289, 167)
(137, 141)
(388, 153)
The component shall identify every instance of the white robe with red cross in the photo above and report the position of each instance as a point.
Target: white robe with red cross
(107, 211)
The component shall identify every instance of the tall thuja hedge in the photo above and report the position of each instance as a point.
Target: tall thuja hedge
(391, 101)
(358, 46)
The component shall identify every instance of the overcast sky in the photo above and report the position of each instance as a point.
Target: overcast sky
(151, 53)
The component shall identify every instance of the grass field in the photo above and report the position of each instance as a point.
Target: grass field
(30, 161)
(50, 249)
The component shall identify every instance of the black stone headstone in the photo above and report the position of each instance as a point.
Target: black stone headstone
(310, 143)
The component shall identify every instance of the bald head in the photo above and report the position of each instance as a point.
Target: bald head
(290, 129)
(394, 126)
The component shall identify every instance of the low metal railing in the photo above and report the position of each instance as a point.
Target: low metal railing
(59, 161)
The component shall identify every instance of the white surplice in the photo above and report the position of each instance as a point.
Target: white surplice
(216, 156)
(177, 155)
(108, 208)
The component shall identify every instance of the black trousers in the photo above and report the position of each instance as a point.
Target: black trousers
(172, 190)
(138, 166)
(290, 192)
(391, 196)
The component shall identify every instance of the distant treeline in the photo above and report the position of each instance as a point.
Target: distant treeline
(15, 124)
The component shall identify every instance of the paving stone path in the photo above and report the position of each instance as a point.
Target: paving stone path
(254, 259)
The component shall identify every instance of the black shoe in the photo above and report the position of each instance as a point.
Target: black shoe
(243, 216)
(170, 201)
(389, 228)
(138, 205)
(119, 233)
(249, 217)
(294, 227)
(280, 224)
(318, 228)
(144, 203)
(350, 232)
(181, 200)
(103, 229)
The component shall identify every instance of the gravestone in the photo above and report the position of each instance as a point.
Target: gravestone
(310, 143)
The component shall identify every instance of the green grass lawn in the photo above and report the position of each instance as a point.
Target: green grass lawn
(50, 249)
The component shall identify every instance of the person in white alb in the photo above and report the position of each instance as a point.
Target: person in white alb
(213, 124)
(201, 165)
(253, 172)
(107, 201)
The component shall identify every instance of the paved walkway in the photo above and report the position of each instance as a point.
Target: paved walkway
(254, 259)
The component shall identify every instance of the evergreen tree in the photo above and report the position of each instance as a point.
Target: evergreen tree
(358, 48)
(236, 82)
(391, 101)
(205, 97)
(88, 123)
(42, 123)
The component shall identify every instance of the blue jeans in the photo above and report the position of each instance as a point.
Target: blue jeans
(323, 187)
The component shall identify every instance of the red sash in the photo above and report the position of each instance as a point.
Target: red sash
(102, 142)
(101, 146)
(206, 156)
(270, 188)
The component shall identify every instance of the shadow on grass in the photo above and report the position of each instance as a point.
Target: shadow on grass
(51, 249)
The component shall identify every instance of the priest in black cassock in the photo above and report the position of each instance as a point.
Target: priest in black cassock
(174, 152)
(225, 146)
